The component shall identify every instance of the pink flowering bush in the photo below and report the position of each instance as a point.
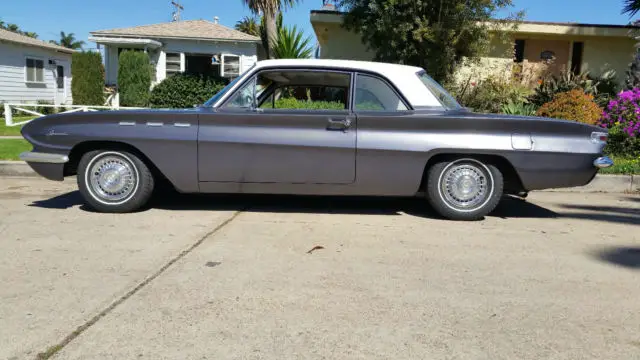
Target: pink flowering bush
(622, 118)
(624, 111)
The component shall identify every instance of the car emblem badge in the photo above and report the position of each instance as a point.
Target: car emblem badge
(52, 132)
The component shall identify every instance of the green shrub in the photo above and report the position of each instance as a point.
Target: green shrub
(523, 109)
(293, 103)
(45, 110)
(602, 88)
(134, 78)
(184, 91)
(490, 95)
(620, 143)
(87, 82)
(572, 105)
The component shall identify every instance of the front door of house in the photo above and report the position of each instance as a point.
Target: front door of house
(61, 83)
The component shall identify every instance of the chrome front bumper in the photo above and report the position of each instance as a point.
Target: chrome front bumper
(603, 162)
(46, 158)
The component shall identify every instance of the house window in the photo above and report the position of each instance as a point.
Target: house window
(60, 76)
(230, 66)
(35, 70)
(173, 63)
(519, 51)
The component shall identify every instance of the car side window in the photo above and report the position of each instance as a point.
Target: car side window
(374, 94)
(305, 90)
(244, 97)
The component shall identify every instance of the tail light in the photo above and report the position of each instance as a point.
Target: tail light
(599, 137)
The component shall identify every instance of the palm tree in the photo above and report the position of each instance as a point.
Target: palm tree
(263, 30)
(269, 9)
(631, 7)
(30, 34)
(13, 27)
(292, 44)
(248, 25)
(69, 41)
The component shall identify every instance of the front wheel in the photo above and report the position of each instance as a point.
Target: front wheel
(464, 189)
(114, 181)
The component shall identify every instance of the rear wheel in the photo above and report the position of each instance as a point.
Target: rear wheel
(114, 181)
(464, 189)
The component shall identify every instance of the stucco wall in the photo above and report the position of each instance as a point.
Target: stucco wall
(608, 53)
(338, 43)
(612, 49)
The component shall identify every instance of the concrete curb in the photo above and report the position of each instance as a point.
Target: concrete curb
(602, 183)
(15, 168)
(607, 183)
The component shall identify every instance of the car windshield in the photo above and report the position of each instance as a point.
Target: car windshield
(447, 101)
(220, 93)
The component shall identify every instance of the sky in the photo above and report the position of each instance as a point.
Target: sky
(82, 16)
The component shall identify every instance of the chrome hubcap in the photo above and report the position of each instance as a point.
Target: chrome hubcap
(464, 186)
(112, 178)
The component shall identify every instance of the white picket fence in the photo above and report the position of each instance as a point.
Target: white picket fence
(9, 109)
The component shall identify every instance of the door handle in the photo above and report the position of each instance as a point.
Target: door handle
(339, 124)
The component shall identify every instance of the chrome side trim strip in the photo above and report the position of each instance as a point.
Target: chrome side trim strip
(181, 124)
(127, 123)
(603, 162)
(46, 158)
(154, 124)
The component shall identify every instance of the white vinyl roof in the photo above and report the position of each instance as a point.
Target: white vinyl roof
(402, 76)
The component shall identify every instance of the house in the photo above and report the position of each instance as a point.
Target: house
(533, 47)
(32, 70)
(189, 46)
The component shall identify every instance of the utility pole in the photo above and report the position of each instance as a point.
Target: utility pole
(177, 10)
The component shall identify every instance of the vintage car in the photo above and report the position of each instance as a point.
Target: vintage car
(318, 127)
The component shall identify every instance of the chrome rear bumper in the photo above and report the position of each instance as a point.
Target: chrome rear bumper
(46, 158)
(603, 162)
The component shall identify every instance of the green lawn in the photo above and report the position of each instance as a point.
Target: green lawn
(623, 166)
(11, 148)
(12, 130)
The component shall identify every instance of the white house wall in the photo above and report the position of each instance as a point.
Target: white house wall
(13, 85)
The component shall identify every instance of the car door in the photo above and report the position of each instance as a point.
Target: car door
(281, 126)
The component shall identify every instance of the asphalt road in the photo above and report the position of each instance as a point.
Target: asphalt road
(234, 277)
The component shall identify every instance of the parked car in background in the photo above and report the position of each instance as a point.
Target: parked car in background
(318, 127)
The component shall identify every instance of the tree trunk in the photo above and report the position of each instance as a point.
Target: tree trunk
(272, 32)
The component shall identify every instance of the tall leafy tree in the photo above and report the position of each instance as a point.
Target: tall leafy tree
(434, 34)
(248, 25)
(269, 9)
(292, 44)
(631, 7)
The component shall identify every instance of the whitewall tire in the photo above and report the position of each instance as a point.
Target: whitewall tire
(114, 181)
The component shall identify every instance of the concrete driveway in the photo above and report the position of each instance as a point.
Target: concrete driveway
(229, 277)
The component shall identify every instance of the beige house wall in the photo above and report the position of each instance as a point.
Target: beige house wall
(338, 43)
(605, 48)
(602, 54)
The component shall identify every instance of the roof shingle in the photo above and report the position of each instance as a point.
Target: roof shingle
(193, 29)
(10, 36)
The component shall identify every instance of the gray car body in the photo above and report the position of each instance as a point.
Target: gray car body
(220, 150)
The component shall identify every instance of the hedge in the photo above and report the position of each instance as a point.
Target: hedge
(87, 82)
(293, 103)
(181, 91)
(134, 78)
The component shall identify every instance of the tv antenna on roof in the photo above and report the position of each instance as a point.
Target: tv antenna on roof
(175, 16)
